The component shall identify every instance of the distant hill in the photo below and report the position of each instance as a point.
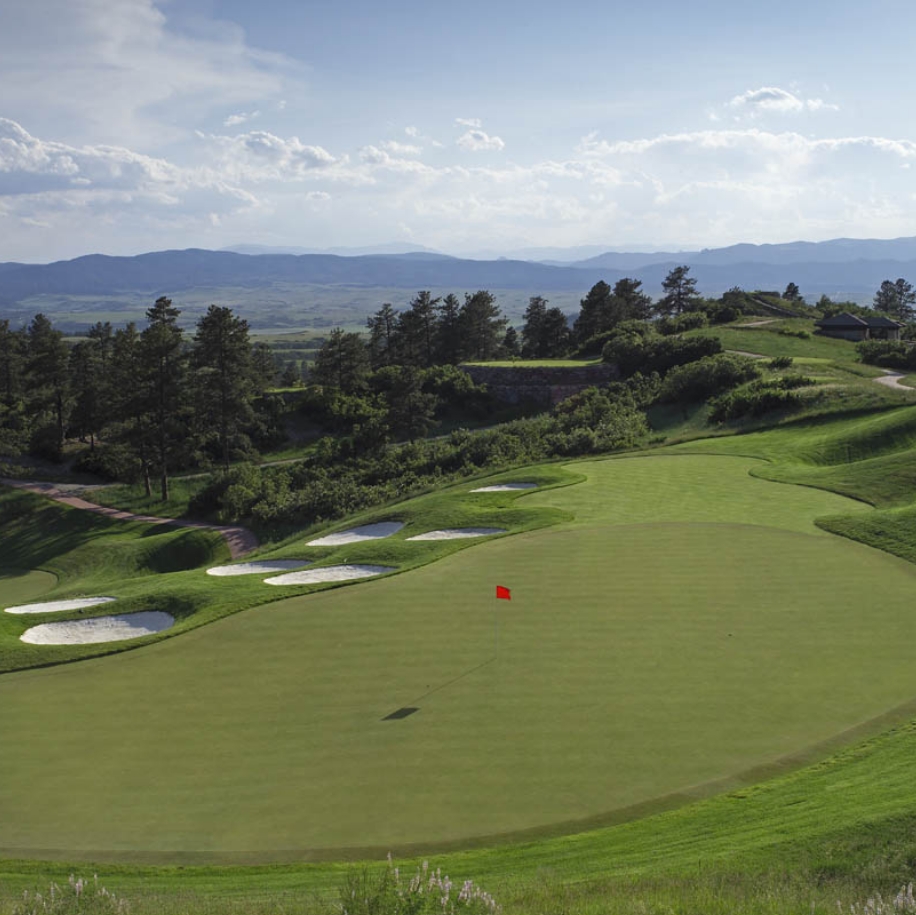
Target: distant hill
(844, 268)
(836, 251)
(394, 247)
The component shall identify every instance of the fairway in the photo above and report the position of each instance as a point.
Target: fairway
(690, 624)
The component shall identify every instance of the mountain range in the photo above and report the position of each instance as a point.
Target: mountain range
(842, 267)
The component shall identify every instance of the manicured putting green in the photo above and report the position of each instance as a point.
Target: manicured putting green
(634, 660)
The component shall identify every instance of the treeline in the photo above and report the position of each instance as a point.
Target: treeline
(347, 473)
(145, 402)
(443, 331)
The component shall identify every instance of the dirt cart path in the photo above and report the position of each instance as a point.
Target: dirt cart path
(240, 540)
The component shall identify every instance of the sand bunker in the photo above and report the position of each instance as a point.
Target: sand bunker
(99, 629)
(358, 534)
(328, 573)
(59, 606)
(459, 533)
(262, 567)
(506, 487)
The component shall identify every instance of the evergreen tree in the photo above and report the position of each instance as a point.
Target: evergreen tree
(48, 384)
(631, 303)
(410, 409)
(792, 293)
(224, 381)
(896, 299)
(163, 367)
(130, 427)
(448, 339)
(342, 362)
(680, 293)
(510, 345)
(596, 312)
(481, 326)
(382, 343)
(533, 328)
(13, 351)
(424, 312)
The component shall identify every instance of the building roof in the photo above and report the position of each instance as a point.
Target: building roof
(856, 321)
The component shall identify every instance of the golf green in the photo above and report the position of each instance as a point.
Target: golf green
(634, 660)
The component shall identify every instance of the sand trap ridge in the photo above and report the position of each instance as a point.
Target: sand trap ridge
(99, 629)
(358, 534)
(459, 533)
(261, 567)
(328, 573)
(59, 606)
(506, 487)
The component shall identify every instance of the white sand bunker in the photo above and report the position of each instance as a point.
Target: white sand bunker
(328, 573)
(59, 606)
(506, 487)
(262, 567)
(358, 534)
(459, 533)
(99, 629)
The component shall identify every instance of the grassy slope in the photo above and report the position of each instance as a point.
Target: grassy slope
(93, 556)
(625, 650)
(849, 818)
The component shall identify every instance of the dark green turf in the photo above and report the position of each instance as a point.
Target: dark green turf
(636, 659)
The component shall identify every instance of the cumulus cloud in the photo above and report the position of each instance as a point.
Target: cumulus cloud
(259, 155)
(235, 119)
(469, 122)
(478, 140)
(772, 99)
(29, 165)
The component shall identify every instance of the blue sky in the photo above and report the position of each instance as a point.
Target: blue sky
(135, 125)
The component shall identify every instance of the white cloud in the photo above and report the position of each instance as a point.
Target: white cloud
(477, 141)
(235, 119)
(259, 155)
(772, 99)
(469, 122)
(401, 149)
(118, 71)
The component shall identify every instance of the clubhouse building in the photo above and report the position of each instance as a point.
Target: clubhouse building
(858, 327)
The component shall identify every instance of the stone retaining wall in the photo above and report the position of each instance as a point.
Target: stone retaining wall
(546, 385)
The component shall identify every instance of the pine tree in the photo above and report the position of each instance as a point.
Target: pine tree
(224, 384)
(163, 367)
(481, 326)
(680, 293)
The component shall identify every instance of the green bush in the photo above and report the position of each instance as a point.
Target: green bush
(754, 399)
(890, 354)
(780, 362)
(707, 377)
(655, 353)
(677, 324)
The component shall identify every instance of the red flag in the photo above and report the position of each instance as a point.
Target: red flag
(503, 593)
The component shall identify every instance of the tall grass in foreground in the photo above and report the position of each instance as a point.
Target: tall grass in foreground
(429, 892)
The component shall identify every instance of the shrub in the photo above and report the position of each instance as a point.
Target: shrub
(754, 399)
(780, 362)
(801, 334)
(657, 354)
(690, 320)
(887, 353)
(707, 377)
